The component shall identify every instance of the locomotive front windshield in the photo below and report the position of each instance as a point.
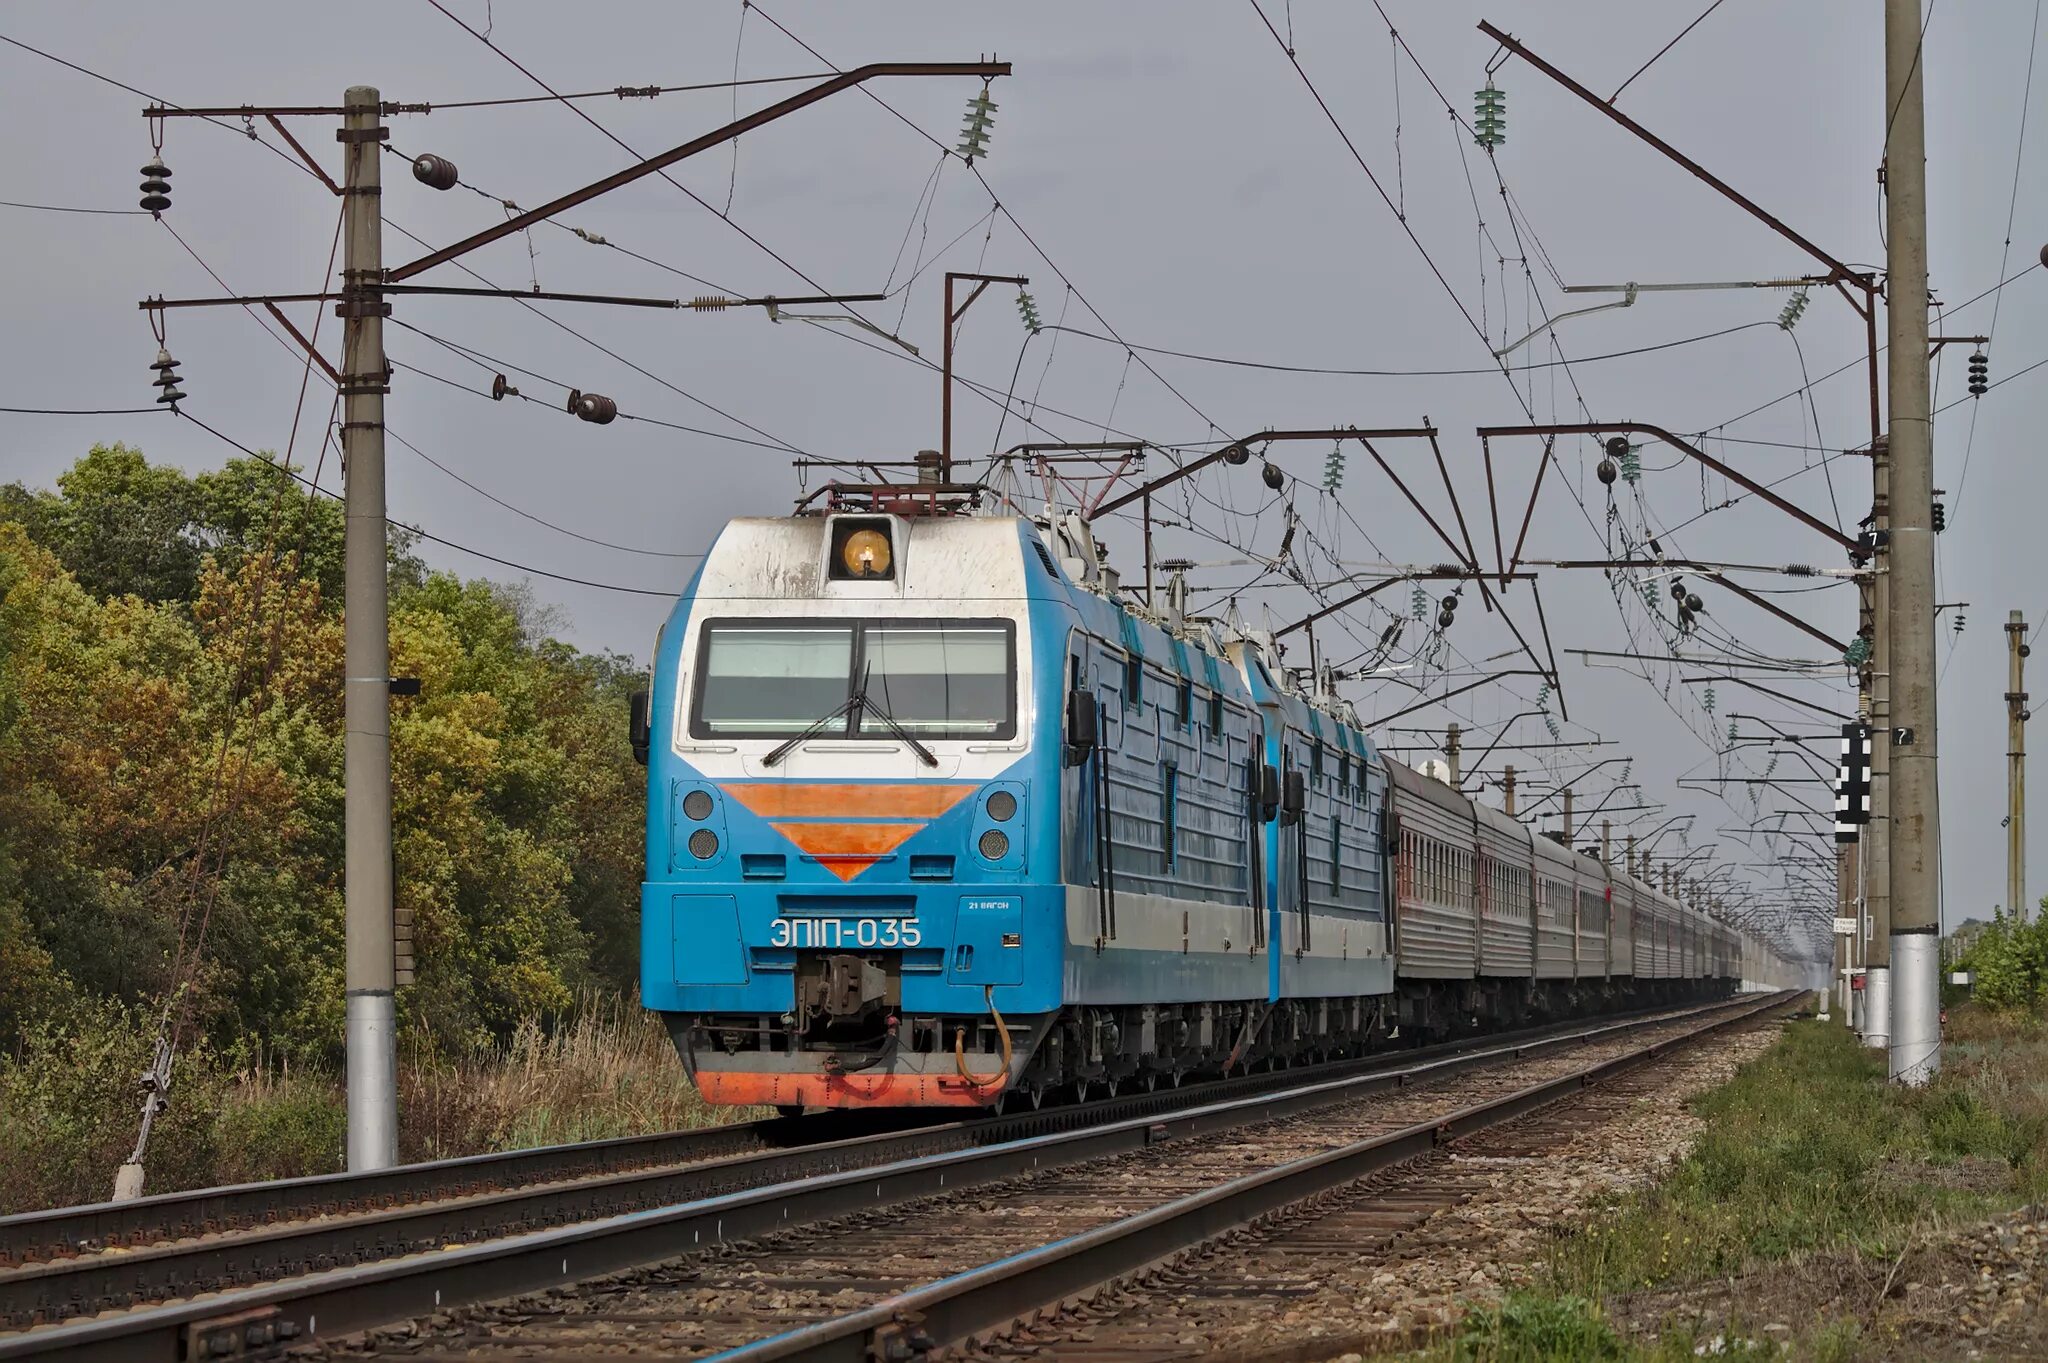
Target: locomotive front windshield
(768, 680)
(934, 678)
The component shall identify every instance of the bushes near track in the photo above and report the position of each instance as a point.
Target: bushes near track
(2009, 961)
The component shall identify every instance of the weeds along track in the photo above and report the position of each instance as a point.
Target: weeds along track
(478, 1229)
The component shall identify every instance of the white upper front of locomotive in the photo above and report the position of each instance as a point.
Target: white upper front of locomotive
(855, 647)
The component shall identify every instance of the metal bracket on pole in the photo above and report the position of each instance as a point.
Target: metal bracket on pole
(1690, 450)
(716, 137)
(952, 318)
(1628, 301)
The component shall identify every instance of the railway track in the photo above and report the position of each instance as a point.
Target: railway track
(1159, 1283)
(1245, 1296)
(84, 1261)
(417, 1259)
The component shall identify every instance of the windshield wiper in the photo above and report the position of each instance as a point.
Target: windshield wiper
(811, 730)
(852, 705)
(882, 713)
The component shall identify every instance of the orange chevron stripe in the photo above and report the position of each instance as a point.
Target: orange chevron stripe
(847, 849)
(844, 800)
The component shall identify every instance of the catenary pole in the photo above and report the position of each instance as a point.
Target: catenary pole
(2016, 766)
(372, 1027)
(1915, 795)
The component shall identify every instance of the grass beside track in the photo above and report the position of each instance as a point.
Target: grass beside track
(1807, 1152)
(68, 1105)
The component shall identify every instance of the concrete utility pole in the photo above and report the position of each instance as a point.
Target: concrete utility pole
(1452, 748)
(1507, 785)
(372, 966)
(1567, 816)
(2016, 765)
(1915, 793)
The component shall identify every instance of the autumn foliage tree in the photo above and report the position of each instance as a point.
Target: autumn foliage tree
(171, 772)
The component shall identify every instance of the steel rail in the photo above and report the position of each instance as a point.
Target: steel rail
(1020, 1286)
(123, 1279)
(64, 1232)
(236, 1322)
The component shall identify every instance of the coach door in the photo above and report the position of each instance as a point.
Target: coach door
(1087, 855)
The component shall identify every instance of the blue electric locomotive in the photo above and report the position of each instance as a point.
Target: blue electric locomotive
(936, 817)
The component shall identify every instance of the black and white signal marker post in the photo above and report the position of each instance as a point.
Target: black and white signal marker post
(1852, 812)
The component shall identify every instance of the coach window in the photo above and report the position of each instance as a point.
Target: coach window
(1134, 679)
(1186, 706)
(1336, 851)
(1216, 716)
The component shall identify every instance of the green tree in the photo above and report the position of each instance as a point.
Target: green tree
(171, 771)
(119, 525)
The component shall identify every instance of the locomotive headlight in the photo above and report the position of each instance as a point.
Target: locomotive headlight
(865, 553)
(1002, 806)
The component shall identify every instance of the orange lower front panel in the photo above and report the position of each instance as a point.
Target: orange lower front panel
(845, 1090)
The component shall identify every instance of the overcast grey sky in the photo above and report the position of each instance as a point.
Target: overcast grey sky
(1176, 170)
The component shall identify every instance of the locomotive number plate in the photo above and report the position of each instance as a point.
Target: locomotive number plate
(835, 934)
